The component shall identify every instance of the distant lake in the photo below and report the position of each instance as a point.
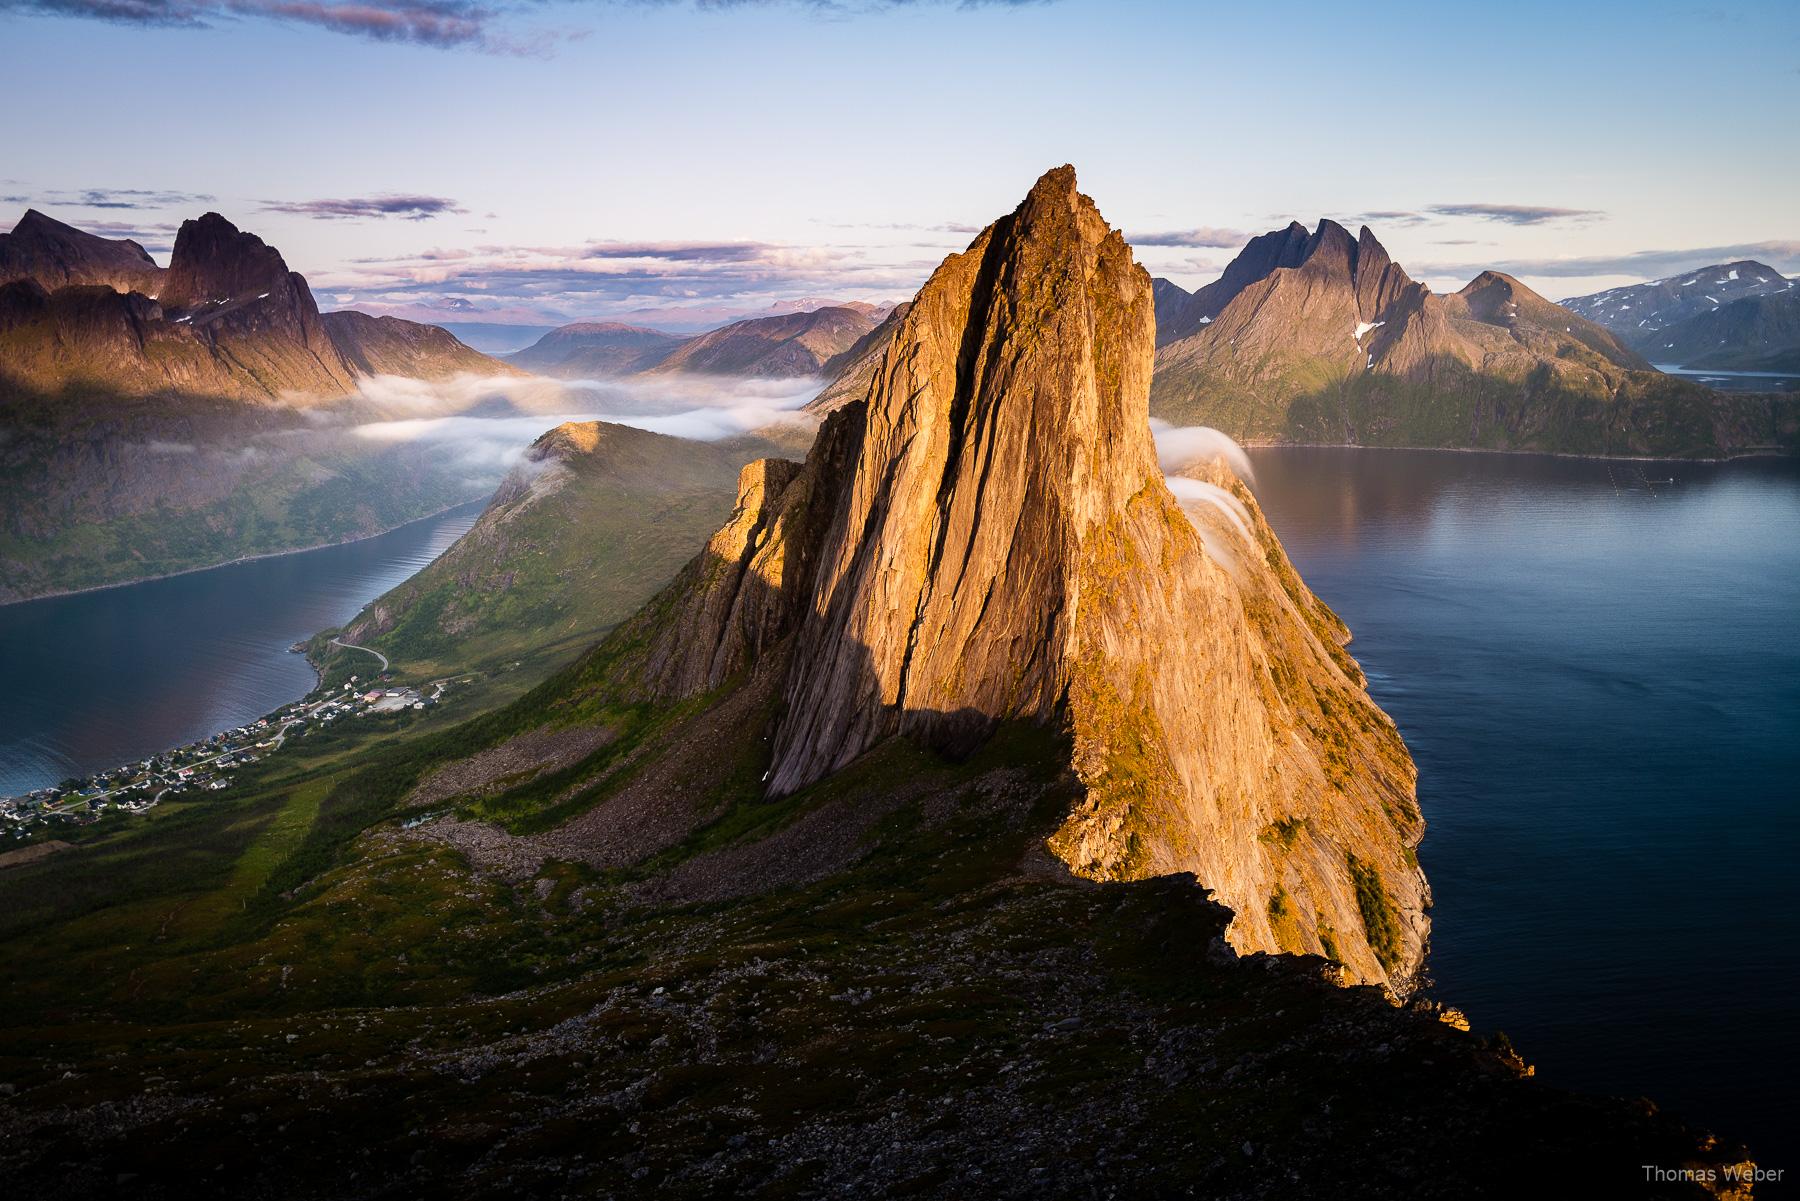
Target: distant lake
(97, 679)
(1597, 667)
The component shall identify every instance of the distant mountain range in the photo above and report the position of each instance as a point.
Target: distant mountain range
(226, 318)
(597, 350)
(1320, 337)
(1739, 316)
(783, 346)
(151, 418)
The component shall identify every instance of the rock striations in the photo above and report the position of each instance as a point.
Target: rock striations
(987, 538)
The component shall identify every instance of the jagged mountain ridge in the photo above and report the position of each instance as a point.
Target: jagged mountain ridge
(59, 255)
(1322, 338)
(149, 432)
(226, 319)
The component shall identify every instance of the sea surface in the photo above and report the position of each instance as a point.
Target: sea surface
(97, 679)
(1597, 668)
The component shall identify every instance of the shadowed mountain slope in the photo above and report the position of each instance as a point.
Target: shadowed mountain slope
(148, 432)
(58, 256)
(226, 320)
(392, 346)
(1757, 333)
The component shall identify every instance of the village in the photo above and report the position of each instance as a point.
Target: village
(203, 766)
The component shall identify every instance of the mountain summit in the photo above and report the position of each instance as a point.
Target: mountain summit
(96, 317)
(986, 539)
(58, 255)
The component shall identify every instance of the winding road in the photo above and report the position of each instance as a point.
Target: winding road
(371, 650)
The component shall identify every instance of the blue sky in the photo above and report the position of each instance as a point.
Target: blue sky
(536, 160)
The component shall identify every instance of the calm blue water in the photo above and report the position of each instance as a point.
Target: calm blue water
(1599, 675)
(91, 681)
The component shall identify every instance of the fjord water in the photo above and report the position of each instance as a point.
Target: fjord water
(1597, 668)
(94, 680)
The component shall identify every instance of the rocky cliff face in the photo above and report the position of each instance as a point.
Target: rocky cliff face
(988, 538)
(58, 256)
(1322, 338)
(234, 291)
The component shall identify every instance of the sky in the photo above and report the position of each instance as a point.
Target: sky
(541, 161)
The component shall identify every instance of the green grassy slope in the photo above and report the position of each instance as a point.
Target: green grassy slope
(596, 520)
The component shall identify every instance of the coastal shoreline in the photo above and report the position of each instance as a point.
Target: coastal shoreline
(273, 554)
